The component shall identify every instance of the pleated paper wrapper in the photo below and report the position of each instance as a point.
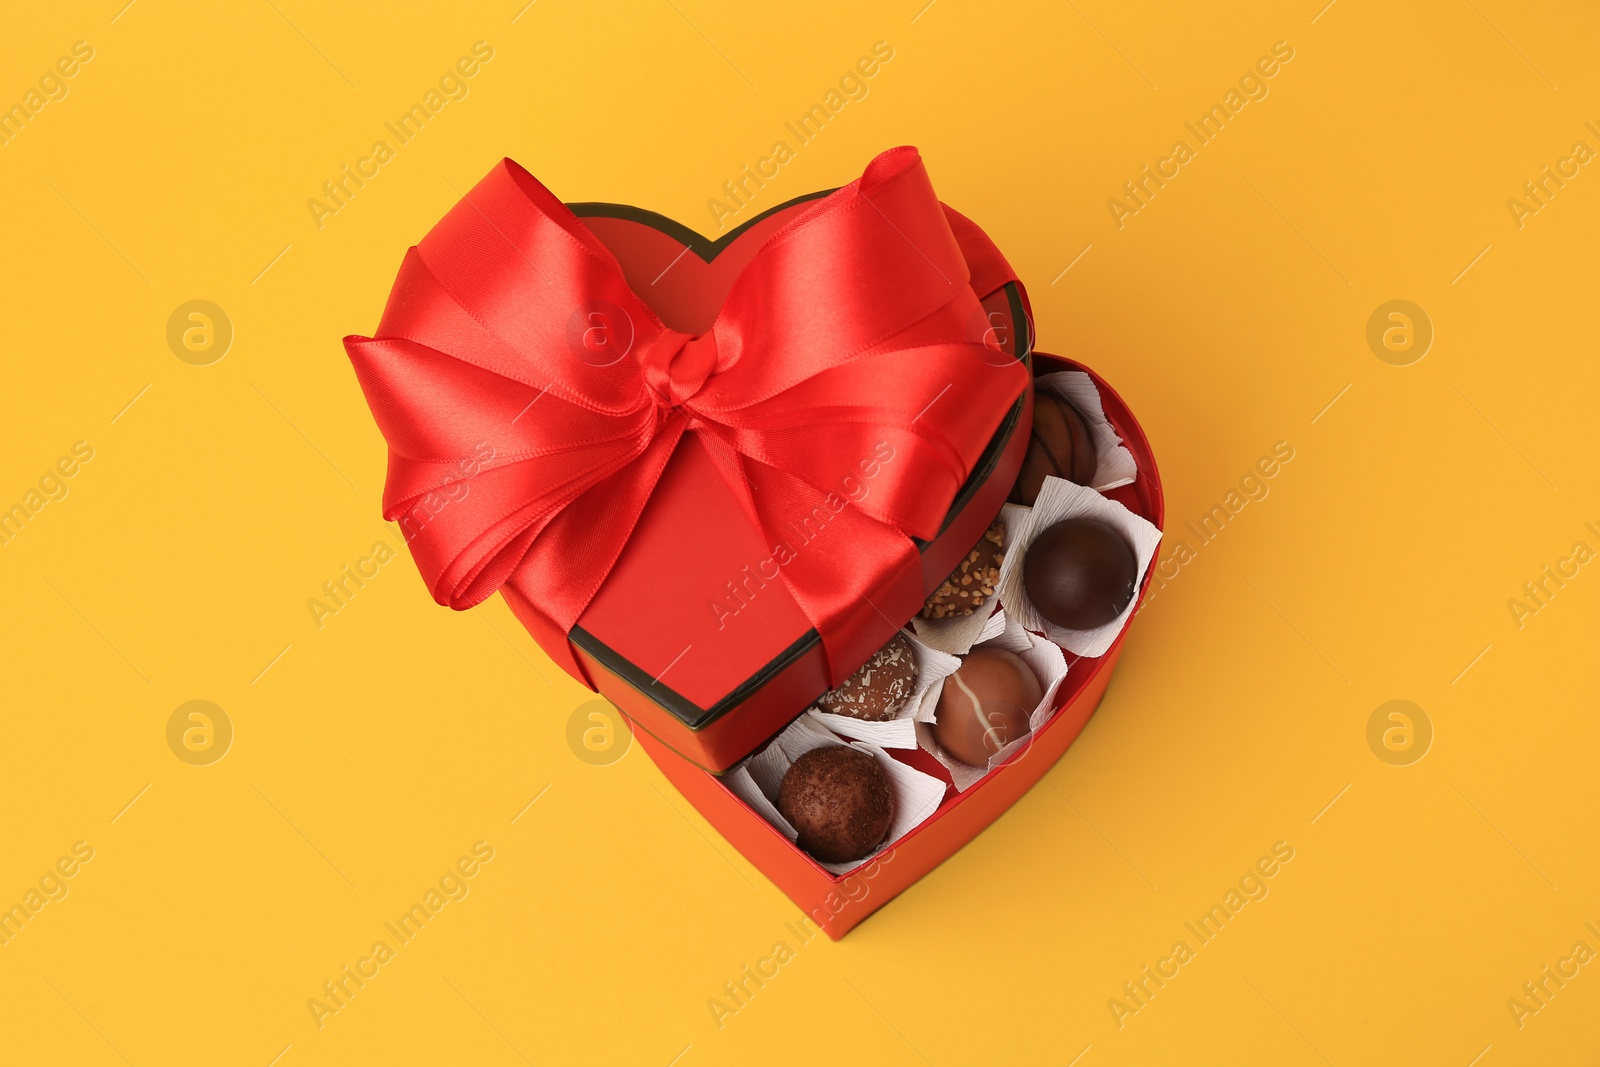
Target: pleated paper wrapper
(1048, 664)
(756, 780)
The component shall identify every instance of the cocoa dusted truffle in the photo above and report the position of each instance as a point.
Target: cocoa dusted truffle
(985, 705)
(880, 688)
(839, 800)
(1080, 573)
(1061, 446)
(973, 582)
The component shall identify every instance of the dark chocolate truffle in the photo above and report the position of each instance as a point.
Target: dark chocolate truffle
(1080, 573)
(1061, 446)
(880, 688)
(985, 705)
(973, 582)
(839, 800)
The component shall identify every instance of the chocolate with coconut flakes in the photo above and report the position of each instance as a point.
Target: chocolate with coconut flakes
(877, 691)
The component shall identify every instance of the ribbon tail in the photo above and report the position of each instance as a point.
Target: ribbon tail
(573, 555)
(830, 555)
(989, 267)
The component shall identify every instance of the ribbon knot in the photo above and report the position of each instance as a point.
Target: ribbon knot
(676, 365)
(841, 394)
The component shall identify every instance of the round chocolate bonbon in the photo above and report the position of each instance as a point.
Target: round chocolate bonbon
(1080, 573)
(880, 688)
(985, 705)
(840, 802)
(1061, 446)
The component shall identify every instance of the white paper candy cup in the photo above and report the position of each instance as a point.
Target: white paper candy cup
(957, 634)
(1058, 500)
(756, 781)
(900, 731)
(1114, 464)
(1048, 664)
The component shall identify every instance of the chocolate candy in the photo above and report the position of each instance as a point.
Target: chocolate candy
(1080, 573)
(973, 582)
(1061, 446)
(985, 705)
(880, 688)
(839, 800)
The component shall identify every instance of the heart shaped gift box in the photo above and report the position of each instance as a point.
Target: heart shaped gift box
(644, 556)
(837, 903)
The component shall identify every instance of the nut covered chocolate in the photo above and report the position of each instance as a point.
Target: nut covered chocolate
(973, 582)
(840, 802)
(880, 688)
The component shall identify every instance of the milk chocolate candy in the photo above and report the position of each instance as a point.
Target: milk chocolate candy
(1061, 446)
(985, 705)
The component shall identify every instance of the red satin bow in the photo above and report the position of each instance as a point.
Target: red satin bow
(853, 325)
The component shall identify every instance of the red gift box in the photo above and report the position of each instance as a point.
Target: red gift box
(681, 561)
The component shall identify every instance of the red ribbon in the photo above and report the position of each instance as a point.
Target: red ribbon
(857, 323)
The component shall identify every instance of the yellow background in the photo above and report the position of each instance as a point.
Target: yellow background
(375, 750)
